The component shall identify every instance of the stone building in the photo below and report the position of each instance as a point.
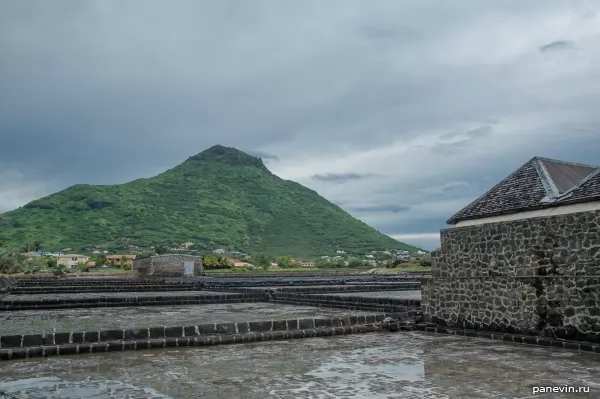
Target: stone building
(524, 257)
(169, 265)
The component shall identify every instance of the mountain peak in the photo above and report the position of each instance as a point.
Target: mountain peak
(227, 155)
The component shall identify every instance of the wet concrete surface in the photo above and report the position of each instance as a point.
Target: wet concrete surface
(84, 295)
(92, 319)
(382, 294)
(373, 366)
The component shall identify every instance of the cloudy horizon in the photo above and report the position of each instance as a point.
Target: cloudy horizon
(402, 113)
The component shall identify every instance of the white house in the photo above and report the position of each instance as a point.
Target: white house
(71, 260)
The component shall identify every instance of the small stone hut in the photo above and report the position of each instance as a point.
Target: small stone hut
(169, 265)
(524, 257)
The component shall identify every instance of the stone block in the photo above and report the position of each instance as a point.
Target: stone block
(173, 332)
(292, 324)
(135, 334)
(33, 340)
(11, 341)
(157, 333)
(207, 329)
(189, 331)
(243, 328)
(111, 335)
(98, 347)
(34, 352)
(226, 328)
(320, 323)
(279, 325)
(261, 326)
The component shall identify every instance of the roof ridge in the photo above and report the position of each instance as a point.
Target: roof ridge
(582, 182)
(451, 220)
(566, 162)
(546, 179)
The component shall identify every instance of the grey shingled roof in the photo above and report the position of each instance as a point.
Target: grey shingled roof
(539, 183)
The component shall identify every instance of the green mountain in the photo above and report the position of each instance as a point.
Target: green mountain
(220, 197)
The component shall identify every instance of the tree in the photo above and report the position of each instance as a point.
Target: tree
(284, 261)
(12, 262)
(160, 249)
(210, 262)
(323, 263)
(425, 260)
(262, 261)
(31, 247)
(39, 262)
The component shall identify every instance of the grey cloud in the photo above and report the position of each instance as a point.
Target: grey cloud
(381, 208)
(262, 155)
(380, 32)
(557, 45)
(453, 186)
(340, 177)
(482, 131)
(106, 92)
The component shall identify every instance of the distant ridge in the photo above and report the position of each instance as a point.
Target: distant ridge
(221, 197)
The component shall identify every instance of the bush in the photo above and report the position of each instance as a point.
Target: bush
(425, 261)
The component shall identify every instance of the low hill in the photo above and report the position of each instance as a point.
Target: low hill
(220, 197)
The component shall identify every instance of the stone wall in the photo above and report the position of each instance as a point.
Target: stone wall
(537, 276)
(5, 285)
(168, 265)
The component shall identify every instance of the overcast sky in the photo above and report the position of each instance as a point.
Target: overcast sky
(402, 112)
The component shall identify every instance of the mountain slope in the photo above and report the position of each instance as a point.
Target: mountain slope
(221, 196)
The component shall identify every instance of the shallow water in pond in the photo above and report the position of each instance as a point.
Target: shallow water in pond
(377, 366)
(93, 319)
(414, 294)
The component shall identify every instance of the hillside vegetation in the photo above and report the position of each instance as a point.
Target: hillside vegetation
(220, 197)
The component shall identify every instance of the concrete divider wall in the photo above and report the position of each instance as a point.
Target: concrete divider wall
(133, 300)
(349, 299)
(371, 287)
(104, 288)
(76, 337)
(222, 339)
(69, 343)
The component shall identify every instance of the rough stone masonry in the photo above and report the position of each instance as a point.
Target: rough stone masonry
(538, 276)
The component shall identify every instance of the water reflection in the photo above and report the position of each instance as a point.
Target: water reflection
(386, 365)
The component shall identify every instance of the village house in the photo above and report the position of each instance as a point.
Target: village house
(301, 263)
(239, 263)
(120, 260)
(70, 260)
